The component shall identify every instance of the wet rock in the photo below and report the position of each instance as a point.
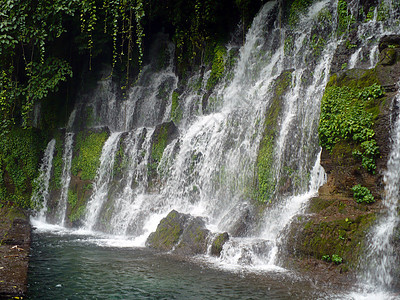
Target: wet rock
(15, 237)
(185, 235)
(218, 243)
(194, 238)
(168, 231)
(244, 222)
(163, 135)
(389, 40)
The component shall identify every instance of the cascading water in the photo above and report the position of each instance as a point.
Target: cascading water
(209, 168)
(41, 195)
(65, 178)
(377, 275)
(103, 177)
(380, 22)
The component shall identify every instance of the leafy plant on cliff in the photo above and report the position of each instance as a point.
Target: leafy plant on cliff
(20, 152)
(88, 148)
(345, 116)
(362, 194)
(345, 18)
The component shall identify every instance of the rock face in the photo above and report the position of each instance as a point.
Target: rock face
(15, 239)
(184, 235)
(335, 223)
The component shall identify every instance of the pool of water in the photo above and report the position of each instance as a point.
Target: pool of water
(71, 266)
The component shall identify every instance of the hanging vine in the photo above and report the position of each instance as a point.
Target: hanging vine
(139, 15)
(88, 18)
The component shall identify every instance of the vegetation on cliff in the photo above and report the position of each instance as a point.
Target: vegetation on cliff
(43, 44)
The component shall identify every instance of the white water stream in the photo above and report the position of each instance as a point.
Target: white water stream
(65, 177)
(41, 195)
(209, 169)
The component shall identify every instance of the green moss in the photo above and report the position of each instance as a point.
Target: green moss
(77, 214)
(345, 19)
(176, 110)
(121, 162)
(317, 43)
(318, 204)
(168, 233)
(55, 181)
(266, 180)
(298, 8)
(218, 66)
(218, 243)
(88, 147)
(72, 198)
(383, 11)
(78, 197)
(159, 147)
(342, 237)
(288, 44)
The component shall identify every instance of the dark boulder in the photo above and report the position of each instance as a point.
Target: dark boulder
(218, 243)
(194, 238)
(389, 40)
(184, 235)
(168, 231)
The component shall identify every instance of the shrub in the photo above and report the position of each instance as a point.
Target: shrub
(362, 194)
(337, 259)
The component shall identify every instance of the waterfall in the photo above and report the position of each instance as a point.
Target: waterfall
(41, 195)
(380, 255)
(103, 177)
(65, 178)
(209, 167)
(365, 49)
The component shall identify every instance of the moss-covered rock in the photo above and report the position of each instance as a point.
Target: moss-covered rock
(218, 243)
(168, 231)
(184, 235)
(163, 135)
(194, 238)
(87, 151)
(266, 182)
(338, 226)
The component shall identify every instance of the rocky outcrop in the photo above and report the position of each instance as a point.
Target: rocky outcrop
(184, 235)
(335, 224)
(168, 232)
(15, 239)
